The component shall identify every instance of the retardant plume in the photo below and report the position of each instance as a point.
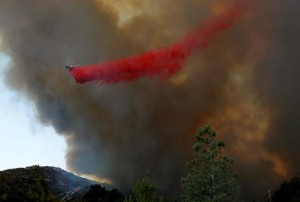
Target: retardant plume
(162, 62)
(244, 84)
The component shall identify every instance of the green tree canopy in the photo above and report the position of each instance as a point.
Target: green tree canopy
(210, 176)
(145, 190)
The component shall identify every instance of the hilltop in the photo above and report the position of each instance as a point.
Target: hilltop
(37, 183)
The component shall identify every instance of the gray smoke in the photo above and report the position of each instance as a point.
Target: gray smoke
(244, 85)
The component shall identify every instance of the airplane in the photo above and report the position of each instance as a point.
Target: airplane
(72, 66)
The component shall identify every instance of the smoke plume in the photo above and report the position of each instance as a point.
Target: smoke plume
(245, 85)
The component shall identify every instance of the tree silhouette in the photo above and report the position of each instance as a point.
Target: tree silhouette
(145, 190)
(288, 191)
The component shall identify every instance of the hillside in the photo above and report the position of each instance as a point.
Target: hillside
(38, 183)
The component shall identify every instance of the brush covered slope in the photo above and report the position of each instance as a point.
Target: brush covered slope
(38, 183)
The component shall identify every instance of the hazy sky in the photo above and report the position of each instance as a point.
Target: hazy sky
(23, 140)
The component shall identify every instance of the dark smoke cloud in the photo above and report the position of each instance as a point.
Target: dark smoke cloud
(278, 78)
(245, 85)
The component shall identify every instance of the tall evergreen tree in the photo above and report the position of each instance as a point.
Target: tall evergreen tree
(210, 176)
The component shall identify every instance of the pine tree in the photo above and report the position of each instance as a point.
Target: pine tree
(145, 190)
(210, 176)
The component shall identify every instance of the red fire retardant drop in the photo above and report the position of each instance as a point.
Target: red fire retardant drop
(162, 62)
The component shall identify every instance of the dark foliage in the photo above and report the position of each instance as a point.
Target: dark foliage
(288, 191)
(99, 193)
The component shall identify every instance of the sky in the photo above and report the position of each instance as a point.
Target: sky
(23, 140)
